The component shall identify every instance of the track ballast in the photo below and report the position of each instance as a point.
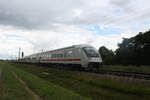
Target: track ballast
(138, 75)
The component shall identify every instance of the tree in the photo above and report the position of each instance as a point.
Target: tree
(107, 55)
(134, 50)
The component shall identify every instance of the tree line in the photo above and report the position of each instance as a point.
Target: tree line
(132, 51)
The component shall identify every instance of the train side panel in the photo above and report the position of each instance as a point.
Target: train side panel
(69, 56)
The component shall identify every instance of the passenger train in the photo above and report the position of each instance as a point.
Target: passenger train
(85, 56)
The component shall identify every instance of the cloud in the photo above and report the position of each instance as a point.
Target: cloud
(50, 24)
(49, 40)
(33, 14)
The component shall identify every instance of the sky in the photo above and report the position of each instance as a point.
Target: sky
(36, 25)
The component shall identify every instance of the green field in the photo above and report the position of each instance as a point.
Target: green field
(29, 82)
(35, 88)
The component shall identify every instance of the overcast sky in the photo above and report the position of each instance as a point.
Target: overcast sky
(34, 25)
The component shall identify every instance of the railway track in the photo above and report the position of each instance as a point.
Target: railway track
(138, 75)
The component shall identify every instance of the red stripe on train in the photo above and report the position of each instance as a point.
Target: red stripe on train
(62, 60)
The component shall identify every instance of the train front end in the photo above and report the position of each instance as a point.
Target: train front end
(93, 58)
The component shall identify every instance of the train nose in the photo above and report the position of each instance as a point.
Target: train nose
(96, 60)
(93, 65)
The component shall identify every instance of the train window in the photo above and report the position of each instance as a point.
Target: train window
(53, 56)
(40, 57)
(65, 54)
(90, 52)
(49, 56)
(33, 58)
(56, 55)
(69, 54)
(79, 50)
(61, 55)
(45, 56)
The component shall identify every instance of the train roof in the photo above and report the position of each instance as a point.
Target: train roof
(70, 47)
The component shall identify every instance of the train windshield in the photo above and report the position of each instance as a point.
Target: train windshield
(90, 52)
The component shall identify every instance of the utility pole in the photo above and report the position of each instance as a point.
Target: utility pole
(19, 53)
(42, 50)
(22, 54)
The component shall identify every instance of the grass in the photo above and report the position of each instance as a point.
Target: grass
(11, 89)
(129, 68)
(14, 90)
(95, 87)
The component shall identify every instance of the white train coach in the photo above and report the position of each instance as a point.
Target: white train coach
(84, 55)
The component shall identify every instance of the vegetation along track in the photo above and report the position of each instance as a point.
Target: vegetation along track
(87, 84)
(138, 75)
